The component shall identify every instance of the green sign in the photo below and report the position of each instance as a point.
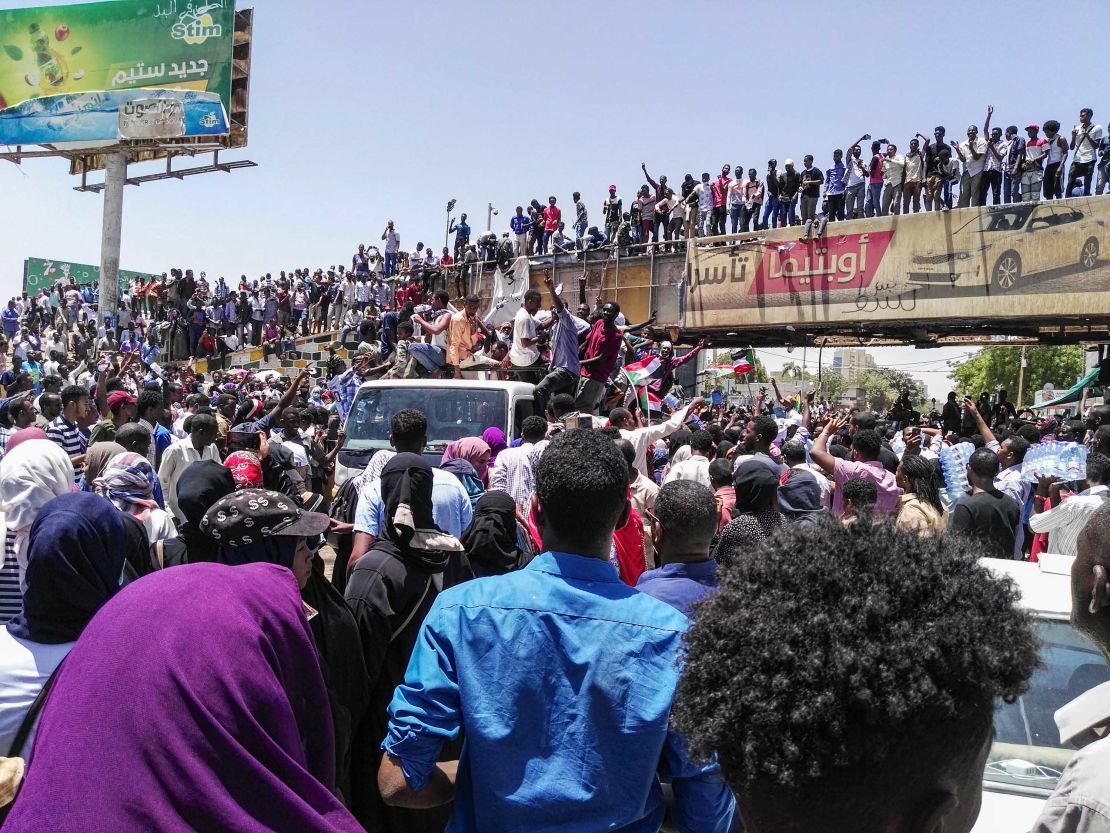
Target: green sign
(43, 274)
(116, 46)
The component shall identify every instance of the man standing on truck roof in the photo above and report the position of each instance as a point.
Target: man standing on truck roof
(565, 366)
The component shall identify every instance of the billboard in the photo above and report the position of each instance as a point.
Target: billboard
(67, 72)
(1019, 261)
(41, 273)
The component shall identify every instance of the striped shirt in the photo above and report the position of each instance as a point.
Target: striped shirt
(68, 435)
(11, 598)
(1063, 523)
(511, 472)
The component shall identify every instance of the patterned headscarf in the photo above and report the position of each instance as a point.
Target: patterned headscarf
(246, 469)
(128, 482)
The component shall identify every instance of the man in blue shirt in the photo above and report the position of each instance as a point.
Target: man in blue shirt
(835, 186)
(11, 320)
(561, 676)
(683, 531)
(461, 230)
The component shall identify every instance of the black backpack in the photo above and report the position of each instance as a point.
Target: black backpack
(344, 506)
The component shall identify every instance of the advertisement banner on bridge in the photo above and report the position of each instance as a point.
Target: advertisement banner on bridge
(43, 273)
(1025, 260)
(67, 72)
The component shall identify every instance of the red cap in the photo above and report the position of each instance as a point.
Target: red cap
(120, 397)
(612, 187)
(1033, 126)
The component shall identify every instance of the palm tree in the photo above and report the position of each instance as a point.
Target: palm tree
(792, 370)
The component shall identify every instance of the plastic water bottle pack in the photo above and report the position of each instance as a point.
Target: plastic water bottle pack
(1062, 460)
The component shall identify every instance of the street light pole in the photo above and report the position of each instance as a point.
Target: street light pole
(447, 232)
(490, 211)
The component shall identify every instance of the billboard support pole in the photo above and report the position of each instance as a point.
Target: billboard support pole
(115, 180)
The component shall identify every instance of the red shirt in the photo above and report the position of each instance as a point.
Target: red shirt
(446, 260)
(720, 190)
(602, 342)
(628, 541)
(551, 217)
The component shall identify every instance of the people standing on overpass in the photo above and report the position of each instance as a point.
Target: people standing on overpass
(856, 183)
(913, 179)
(809, 189)
(771, 201)
(894, 171)
(702, 196)
(972, 154)
(873, 204)
(720, 201)
(754, 190)
(1055, 161)
(835, 186)
(1085, 139)
(789, 185)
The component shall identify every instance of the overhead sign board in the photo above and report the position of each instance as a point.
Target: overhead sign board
(68, 72)
(1022, 261)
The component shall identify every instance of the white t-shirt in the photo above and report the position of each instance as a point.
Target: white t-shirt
(894, 168)
(693, 468)
(300, 456)
(25, 667)
(1085, 147)
(392, 241)
(524, 326)
(974, 166)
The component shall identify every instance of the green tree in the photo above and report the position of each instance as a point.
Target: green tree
(995, 367)
(882, 386)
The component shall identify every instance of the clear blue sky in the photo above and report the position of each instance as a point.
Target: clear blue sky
(363, 112)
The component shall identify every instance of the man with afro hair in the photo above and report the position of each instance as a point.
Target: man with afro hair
(854, 693)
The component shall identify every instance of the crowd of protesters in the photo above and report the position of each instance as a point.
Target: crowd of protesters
(499, 643)
(575, 628)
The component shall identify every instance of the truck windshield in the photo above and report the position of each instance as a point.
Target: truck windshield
(453, 413)
(1027, 752)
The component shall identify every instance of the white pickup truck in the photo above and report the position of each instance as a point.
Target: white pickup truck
(454, 408)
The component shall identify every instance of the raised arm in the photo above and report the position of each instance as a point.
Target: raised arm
(820, 450)
(987, 124)
(980, 423)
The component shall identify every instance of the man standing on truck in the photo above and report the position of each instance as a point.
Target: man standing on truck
(462, 334)
(565, 366)
(599, 357)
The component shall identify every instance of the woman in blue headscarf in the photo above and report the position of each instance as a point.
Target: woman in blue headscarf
(77, 550)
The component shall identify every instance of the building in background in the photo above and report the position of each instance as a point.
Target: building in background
(850, 363)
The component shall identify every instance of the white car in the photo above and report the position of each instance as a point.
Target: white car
(1026, 758)
(1004, 244)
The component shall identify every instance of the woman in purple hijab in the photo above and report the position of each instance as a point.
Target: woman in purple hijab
(192, 702)
(495, 438)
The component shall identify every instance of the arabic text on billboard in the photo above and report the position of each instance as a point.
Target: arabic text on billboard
(1025, 260)
(42, 273)
(68, 72)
